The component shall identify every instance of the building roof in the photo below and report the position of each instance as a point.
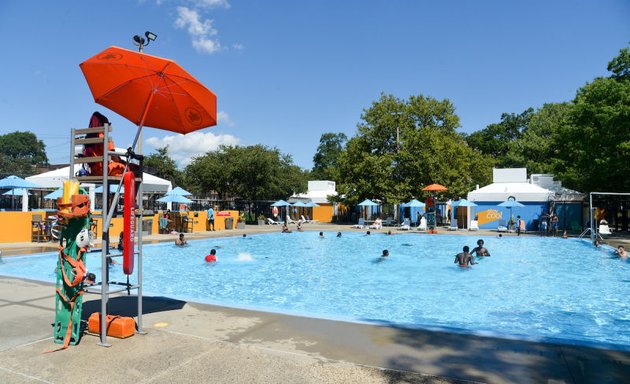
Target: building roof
(522, 192)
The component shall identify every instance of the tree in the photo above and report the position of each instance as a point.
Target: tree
(252, 173)
(20, 152)
(402, 145)
(620, 65)
(161, 165)
(497, 139)
(536, 147)
(326, 157)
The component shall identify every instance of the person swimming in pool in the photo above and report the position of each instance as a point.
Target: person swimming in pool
(480, 250)
(464, 259)
(621, 252)
(212, 257)
(385, 253)
(338, 234)
(180, 241)
(321, 235)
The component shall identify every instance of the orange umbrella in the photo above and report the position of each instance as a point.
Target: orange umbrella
(150, 91)
(435, 188)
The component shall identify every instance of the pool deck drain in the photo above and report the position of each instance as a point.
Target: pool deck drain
(190, 342)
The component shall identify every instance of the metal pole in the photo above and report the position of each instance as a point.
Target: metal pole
(590, 212)
(141, 206)
(105, 242)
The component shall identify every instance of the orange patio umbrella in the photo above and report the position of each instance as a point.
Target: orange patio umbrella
(435, 188)
(149, 91)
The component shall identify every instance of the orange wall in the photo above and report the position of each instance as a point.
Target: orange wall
(15, 227)
(323, 213)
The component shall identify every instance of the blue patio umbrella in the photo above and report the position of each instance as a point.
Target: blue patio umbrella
(282, 203)
(510, 203)
(15, 192)
(174, 199)
(11, 182)
(54, 195)
(414, 204)
(179, 191)
(367, 203)
(311, 204)
(463, 203)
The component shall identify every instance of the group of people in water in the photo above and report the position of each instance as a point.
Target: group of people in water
(465, 258)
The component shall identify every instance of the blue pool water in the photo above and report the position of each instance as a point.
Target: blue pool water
(530, 288)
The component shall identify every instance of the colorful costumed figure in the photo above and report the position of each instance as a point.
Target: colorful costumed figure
(74, 213)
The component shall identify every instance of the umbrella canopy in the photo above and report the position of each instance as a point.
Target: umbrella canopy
(463, 203)
(175, 199)
(311, 204)
(112, 189)
(15, 192)
(149, 91)
(300, 204)
(510, 204)
(280, 203)
(179, 191)
(11, 182)
(414, 204)
(367, 203)
(435, 188)
(54, 195)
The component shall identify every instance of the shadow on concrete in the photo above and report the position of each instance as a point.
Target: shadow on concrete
(487, 359)
(128, 305)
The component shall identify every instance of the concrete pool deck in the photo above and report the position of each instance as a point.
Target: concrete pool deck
(190, 342)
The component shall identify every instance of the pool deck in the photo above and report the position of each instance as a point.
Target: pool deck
(191, 342)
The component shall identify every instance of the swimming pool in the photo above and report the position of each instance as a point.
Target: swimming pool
(531, 288)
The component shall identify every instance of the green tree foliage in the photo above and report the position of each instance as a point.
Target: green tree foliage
(20, 152)
(594, 152)
(161, 165)
(331, 145)
(403, 145)
(252, 173)
(620, 65)
(497, 139)
(536, 148)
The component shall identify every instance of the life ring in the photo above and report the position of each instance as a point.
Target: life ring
(275, 211)
(129, 222)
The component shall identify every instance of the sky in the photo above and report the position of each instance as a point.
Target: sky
(285, 72)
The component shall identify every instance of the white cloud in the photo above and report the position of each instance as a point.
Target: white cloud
(237, 46)
(182, 148)
(212, 3)
(201, 30)
(224, 118)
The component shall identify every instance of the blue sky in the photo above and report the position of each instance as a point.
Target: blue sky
(287, 71)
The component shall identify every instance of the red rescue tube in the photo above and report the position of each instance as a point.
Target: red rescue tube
(129, 222)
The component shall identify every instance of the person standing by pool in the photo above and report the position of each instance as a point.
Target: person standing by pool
(554, 224)
(210, 219)
(480, 250)
(464, 259)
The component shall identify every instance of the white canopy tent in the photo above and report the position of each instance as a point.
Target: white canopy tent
(509, 182)
(55, 179)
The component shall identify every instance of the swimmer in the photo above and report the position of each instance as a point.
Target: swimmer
(338, 234)
(564, 234)
(389, 233)
(89, 279)
(367, 233)
(500, 236)
(385, 253)
(321, 235)
(180, 242)
(480, 250)
(212, 257)
(464, 259)
(621, 252)
(285, 228)
(596, 243)
(244, 234)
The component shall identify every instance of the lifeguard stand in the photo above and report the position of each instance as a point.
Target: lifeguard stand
(78, 137)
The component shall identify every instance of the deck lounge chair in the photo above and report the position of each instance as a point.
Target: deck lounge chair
(604, 229)
(271, 221)
(304, 219)
(502, 227)
(474, 225)
(378, 224)
(360, 224)
(406, 225)
(453, 226)
(423, 224)
(311, 220)
(290, 220)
